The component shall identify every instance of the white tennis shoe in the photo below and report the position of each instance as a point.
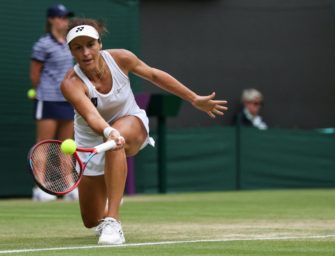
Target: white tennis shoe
(110, 232)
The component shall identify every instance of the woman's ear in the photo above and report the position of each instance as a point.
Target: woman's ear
(100, 43)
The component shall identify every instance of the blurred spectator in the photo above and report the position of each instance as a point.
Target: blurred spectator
(50, 60)
(252, 101)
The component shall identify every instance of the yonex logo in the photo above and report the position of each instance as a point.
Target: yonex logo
(79, 29)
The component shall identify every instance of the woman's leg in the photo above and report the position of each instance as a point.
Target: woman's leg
(132, 129)
(115, 179)
(92, 199)
(95, 190)
(65, 129)
(46, 129)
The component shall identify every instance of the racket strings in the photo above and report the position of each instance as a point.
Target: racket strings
(54, 170)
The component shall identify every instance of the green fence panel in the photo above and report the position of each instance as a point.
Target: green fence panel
(281, 158)
(209, 159)
(197, 159)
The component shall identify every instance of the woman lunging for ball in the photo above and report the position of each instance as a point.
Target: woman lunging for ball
(99, 89)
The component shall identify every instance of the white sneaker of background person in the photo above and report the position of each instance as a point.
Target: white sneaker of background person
(41, 196)
(72, 196)
(110, 232)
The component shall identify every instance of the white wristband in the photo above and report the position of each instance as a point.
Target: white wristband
(108, 130)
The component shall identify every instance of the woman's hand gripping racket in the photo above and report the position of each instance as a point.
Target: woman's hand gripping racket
(58, 173)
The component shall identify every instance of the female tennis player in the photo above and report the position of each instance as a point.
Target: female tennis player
(99, 89)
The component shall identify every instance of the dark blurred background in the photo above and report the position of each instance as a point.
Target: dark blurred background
(284, 48)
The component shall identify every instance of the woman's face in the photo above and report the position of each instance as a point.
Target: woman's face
(86, 51)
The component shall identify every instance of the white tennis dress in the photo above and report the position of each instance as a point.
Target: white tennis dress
(119, 102)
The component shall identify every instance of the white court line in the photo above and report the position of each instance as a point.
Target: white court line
(164, 243)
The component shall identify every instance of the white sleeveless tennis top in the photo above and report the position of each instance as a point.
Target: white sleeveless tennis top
(119, 102)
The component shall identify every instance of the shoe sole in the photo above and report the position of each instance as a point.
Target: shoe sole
(107, 242)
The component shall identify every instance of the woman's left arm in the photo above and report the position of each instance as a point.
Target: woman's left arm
(165, 81)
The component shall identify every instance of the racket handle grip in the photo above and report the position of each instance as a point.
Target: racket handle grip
(105, 146)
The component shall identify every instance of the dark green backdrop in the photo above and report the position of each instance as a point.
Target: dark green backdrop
(198, 158)
(211, 159)
(22, 22)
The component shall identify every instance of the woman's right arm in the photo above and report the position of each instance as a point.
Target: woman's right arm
(74, 91)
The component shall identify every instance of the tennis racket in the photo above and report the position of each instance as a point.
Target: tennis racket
(58, 173)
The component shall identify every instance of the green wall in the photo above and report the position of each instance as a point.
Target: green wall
(21, 24)
(211, 159)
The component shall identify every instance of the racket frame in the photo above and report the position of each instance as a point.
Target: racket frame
(82, 164)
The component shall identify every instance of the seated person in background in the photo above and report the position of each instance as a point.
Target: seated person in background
(252, 101)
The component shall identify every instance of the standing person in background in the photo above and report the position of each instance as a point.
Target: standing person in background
(50, 60)
(252, 101)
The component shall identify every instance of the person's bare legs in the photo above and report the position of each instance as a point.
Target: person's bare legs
(132, 129)
(51, 129)
(46, 129)
(92, 199)
(115, 179)
(95, 190)
(54, 129)
(64, 129)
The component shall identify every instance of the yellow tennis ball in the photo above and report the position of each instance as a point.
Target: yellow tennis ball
(31, 93)
(68, 146)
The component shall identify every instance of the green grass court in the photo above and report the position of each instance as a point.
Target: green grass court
(274, 222)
